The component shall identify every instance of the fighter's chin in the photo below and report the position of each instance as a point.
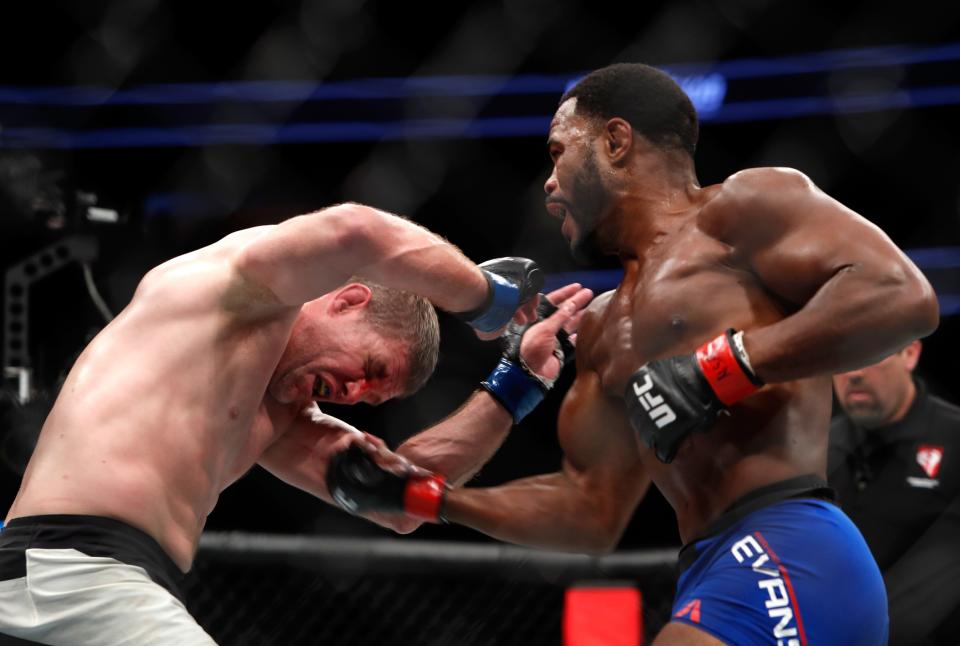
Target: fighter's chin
(866, 416)
(284, 391)
(585, 251)
(278, 394)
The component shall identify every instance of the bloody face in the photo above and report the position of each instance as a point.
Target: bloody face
(340, 360)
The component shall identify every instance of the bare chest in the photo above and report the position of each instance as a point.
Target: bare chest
(250, 440)
(670, 302)
(251, 419)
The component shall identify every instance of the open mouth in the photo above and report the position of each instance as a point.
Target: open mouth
(557, 210)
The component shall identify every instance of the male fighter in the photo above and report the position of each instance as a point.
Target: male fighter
(215, 365)
(738, 302)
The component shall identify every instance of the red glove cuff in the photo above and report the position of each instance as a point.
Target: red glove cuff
(726, 369)
(423, 497)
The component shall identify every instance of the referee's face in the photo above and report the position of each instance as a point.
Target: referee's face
(879, 394)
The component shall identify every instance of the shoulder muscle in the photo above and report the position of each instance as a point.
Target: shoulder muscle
(758, 204)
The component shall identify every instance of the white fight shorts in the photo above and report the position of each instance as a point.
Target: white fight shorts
(90, 581)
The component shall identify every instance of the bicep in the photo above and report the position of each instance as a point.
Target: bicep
(308, 255)
(795, 237)
(601, 455)
(300, 455)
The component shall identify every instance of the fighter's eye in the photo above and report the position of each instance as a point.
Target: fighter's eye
(321, 389)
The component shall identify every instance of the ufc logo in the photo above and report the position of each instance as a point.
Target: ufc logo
(659, 412)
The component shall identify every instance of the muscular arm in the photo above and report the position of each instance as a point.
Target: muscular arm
(857, 297)
(307, 256)
(463, 442)
(466, 440)
(299, 456)
(583, 507)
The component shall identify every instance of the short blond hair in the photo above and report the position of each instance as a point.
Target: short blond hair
(410, 319)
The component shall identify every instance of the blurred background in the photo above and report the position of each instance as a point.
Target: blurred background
(134, 131)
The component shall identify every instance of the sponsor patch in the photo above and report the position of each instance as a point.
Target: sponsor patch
(929, 458)
(659, 411)
(691, 608)
(923, 483)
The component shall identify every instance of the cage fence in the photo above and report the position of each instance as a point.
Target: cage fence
(257, 589)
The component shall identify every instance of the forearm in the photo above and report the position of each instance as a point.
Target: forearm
(856, 318)
(300, 458)
(851, 295)
(545, 512)
(307, 256)
(461, 444)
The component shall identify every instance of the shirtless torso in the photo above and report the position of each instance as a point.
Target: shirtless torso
(687, 288)
(750, 254)
(166, 407)
(182, 393)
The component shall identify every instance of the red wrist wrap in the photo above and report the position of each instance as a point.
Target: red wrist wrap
(423, 497)
(729, 380)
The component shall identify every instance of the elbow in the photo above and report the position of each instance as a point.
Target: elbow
(930, 313)
(607, 531)
(904, 298)
(599, 548)
(921, 305)
(356, 226)
(602, 545)
(404, 525)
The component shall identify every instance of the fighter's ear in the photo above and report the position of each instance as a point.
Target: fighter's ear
(618, 139)
(351, 296)
(911, 354)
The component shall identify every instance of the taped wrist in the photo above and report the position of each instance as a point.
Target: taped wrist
(503, 297)
(423, 497)
(726, 367)
(515, 388)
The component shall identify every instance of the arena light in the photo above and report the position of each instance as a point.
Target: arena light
(726, 91)
(479, 128)
(256, 133)
(460, 85)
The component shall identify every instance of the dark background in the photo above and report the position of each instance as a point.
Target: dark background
(897, 165)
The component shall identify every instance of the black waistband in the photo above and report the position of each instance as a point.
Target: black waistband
(94, 536)
(807, 486)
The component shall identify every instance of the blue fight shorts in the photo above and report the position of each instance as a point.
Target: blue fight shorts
(783, 567)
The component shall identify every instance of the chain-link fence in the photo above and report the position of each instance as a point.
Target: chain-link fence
(258, 589)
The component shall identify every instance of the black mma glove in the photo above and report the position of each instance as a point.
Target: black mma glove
(511, 283)
(512, 383)
(671, 398)
(357, 484)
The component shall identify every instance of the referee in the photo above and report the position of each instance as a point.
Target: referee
(894, 462)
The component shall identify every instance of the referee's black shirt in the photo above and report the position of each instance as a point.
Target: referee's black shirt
(901, 486)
